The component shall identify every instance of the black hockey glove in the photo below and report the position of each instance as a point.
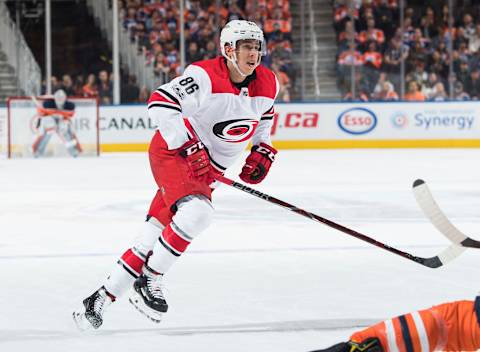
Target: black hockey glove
(369, 345)
(339, 347)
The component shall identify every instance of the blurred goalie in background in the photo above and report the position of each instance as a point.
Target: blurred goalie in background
(55, 116)
(453, 326)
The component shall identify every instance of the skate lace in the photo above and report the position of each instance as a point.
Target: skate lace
(155, 286)
(99, 304)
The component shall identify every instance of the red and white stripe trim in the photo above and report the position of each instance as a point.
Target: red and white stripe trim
(177, 243)
(133, 261)
(160, 98)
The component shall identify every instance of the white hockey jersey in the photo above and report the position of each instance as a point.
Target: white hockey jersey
(222, 115)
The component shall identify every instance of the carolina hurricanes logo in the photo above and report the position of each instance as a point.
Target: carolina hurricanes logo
(235, 131)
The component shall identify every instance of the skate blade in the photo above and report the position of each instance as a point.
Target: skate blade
(139, 305)
(81, 321)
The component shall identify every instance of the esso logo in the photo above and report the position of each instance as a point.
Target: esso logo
(357, 121)
(399, 120)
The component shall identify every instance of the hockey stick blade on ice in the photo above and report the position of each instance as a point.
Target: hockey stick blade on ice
(436, 216)
(434, 262)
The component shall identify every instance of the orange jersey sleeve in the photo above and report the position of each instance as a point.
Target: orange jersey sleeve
(460, 325)
(446, 327)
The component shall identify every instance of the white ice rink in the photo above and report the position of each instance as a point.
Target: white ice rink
(260, 278)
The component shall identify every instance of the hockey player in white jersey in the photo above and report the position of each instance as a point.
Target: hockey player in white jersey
(205, 119)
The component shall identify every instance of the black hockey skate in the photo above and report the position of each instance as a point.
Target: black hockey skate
(148, 297)
(91, 314)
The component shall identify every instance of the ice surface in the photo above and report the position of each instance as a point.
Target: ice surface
(260, 278)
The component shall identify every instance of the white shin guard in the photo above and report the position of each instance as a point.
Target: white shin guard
(125, 272)
(145, 241)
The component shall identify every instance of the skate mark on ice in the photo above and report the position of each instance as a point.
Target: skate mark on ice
(266, 327)
(219, 251)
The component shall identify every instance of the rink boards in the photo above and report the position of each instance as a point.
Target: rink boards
(320, 125)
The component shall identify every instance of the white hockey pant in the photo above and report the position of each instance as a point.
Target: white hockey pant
(193, 216)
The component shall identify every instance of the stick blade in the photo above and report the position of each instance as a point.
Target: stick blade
(451, 253)
(433, 212)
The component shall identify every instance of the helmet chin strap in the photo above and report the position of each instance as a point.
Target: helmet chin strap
(234, 62)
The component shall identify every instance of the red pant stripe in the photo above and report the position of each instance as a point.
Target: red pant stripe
(171, 238)
(132, 261)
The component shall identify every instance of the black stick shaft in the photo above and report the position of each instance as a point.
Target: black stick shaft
(320, 219)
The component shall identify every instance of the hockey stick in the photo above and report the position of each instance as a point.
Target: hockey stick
(35, 101)
(436, 216)
(437, 261)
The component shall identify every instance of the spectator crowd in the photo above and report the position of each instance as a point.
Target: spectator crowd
(99, 86)
(372, 42)
(154, 26)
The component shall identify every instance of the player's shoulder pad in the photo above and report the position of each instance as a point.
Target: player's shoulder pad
(217, 72)
(193, 84)
(69, 105)
(198, 73)
(195, 79)
(265, 84)
(49, 104)
(213, 67)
